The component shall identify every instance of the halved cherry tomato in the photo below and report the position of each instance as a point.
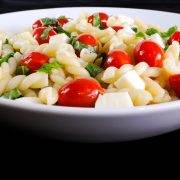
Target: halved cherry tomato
(174, 82)
(43, 34)
(174, 37)
(103, 19)
(62, 20)
(34, 61)
(37, 24)
(80, 93)
(87, 39)
(117, 28)
(149, 52)
(117, 58)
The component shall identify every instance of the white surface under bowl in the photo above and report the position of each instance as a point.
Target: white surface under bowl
(89, 124)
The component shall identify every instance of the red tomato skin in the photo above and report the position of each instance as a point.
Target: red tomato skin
(103, 17)
(87, 39)
(117, 58)
(38, 32)
(149, 52)
(80, 93)
(34, 61)
(117, 28)
(37, 24)
(174, 82)
(62, 21)
(174, 37)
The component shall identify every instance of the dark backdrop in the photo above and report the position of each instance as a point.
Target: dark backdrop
(14, 137)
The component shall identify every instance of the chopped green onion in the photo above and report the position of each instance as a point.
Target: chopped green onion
(47, 68)
(151, 31)
(13, 94)
(49, 21)
(22, 70)
(45, 33)
(134, 29)
(93, 70)
(6, 58)
(60, 30)
(169, 32)
(140, 35)
(96, 21)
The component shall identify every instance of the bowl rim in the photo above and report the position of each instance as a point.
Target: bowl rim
(81, 111)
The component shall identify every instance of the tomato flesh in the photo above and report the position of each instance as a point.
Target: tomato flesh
(174, 82)
(117, 58)
(37, 34)
(80, 93)
(149, 52)
(87, 39)
(103, 18)
(117, 28)
(174, 37)
(62, 21)
(37, 24)
(34, 61)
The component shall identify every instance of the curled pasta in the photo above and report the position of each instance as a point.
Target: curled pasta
(48, 95)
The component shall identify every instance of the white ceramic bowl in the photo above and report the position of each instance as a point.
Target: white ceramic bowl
(89, 124)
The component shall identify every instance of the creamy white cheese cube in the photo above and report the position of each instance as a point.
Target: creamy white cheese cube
(114, 100)
(157, 39)
(130, 80)
(59, 39)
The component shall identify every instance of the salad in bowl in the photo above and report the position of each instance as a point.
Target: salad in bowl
(97, 60)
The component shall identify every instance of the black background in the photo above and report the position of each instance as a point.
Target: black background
(14, 137)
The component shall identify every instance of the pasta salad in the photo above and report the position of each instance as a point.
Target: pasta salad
(97, 60)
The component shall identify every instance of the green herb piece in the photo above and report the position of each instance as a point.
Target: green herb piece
(45, 33)
(169, 32)
(166, 47)
(76, 44)
(49, 21)
(134, 29)
(6, 58)
(140, 35)
(60, 30)
(47, 68)
(96, 21)
(13, 94)
(151, 31)
(22, 70)
(93, 70)
(6, 41)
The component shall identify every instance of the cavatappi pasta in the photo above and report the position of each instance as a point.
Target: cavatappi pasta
(97, 60)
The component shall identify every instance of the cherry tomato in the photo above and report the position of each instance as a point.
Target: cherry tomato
(103, 19)
(87, 39)
(62, 20)
(117, 58)
(174, 82)
(80, 93)
(34, 61)
(174, 37)
(117, 28)
(37, 24)
(149, 52)
(43, 34)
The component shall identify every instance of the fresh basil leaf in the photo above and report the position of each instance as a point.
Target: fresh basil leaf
(76, 44)
(13, 94)
(6, 58)
(22, 70)
(166, 47)
(45, 33)
(135, 29)
(93, 70)
(140, 35)
(96, 20)
(49, 21)
(60, 30)
(169, 32)
(151, 31)
(47, 68)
